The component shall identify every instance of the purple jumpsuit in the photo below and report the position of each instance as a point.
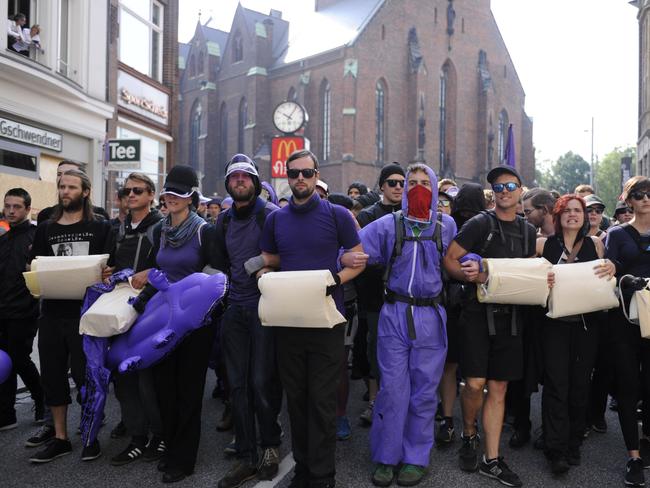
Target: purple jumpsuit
(410, 370)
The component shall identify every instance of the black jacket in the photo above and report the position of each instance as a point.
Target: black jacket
(133, 246)
(15, 245)
(370, 285)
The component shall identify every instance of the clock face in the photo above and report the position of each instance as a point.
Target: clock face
(288, 117)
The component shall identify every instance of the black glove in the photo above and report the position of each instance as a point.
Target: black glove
(330, 289)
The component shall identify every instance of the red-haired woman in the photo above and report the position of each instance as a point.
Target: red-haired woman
(569, 344)
(628, 247)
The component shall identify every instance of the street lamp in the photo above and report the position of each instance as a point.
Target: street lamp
(591, 163)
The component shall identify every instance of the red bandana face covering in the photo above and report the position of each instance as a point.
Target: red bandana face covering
(419, 200)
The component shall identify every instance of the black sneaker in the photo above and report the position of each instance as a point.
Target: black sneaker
(155, 450)
(519, 438)
(43, 435)
(8, 424)
(634, 473)
(91, 452)
(468, 453)
(118, 431)
(268, 467)
(238, 475)
(132, 453)
(54, 449)
(445, 434)
(497, 469)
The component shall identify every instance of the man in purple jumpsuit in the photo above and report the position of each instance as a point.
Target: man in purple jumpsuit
(412, 340)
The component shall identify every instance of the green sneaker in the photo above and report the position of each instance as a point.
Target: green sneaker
(383, 475)
(410, 475)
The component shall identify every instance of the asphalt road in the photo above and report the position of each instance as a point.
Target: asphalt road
(603, 463)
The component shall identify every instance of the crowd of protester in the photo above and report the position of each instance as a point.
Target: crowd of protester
(415, 332)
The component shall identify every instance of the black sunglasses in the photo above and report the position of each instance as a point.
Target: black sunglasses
(501, 187)
(639, 194)
(125, 192)
(307, 173)
(394, 183)
(598, 210)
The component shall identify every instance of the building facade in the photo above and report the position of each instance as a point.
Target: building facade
(643, 142)
(53, 100)
(142, 84)
(381, 80)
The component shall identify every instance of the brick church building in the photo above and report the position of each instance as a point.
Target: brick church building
(381, 81)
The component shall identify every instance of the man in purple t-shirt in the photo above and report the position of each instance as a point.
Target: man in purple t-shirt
(305, 235)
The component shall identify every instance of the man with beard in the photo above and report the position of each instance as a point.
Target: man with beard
(306, 235)
(249, 348)
(72, 222)
(64, 166)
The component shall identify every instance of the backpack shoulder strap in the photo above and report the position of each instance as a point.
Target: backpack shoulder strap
(494, 230)
(397, 247)
(437, 234)
(523, 226)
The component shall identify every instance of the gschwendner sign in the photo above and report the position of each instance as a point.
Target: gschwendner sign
(30, 135)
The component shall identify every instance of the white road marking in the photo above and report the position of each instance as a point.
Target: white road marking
(286, 465)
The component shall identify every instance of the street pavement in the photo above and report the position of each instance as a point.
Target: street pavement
(603, 462)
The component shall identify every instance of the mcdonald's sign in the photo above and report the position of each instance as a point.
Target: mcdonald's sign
(281, 148)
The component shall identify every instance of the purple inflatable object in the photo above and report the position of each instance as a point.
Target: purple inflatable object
(171, 314)
(5, 366)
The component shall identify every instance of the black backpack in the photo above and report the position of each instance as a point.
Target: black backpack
(497, 230)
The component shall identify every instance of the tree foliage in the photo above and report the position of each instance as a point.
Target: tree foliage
(569, 171)
(608, 176)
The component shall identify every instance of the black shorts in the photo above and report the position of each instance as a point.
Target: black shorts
(453, 339)
(60, 349)
(498, 357)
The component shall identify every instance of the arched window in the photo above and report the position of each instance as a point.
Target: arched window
(326, 114)
(243, 117)
(380, 120)
(447, 120)
(195, 133)
(237, 47)
(503, 135)
(223, 137)
(292, 96)
(192, 65)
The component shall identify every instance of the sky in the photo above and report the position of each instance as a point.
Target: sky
(576, 59)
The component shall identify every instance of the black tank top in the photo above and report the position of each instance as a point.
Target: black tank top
(555, 252)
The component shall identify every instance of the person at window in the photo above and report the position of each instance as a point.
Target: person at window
(15, 30)
(18, 309)
(74, 225)
(308, 235)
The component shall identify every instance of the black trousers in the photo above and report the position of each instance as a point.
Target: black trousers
(310, 362)
(17, 339)
(631, 360)
(569, 350)
(137, 396)
(255, 388)
(179, 381)
(60, 349)
(603, 377)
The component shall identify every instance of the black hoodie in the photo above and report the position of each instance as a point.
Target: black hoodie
(130, 241)
(15, 245)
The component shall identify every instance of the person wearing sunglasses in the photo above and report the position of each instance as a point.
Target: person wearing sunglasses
(538, 210)
(411, 343)
(135, 391)
(628, 247)
(305, 235)
(623, 213)
(445, 199)
(370, 286)
(595, 211)
(491, 351)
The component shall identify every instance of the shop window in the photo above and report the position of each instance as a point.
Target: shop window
(18, 159)
(141, 26)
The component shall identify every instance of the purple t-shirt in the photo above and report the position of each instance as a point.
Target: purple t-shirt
(309, 236)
